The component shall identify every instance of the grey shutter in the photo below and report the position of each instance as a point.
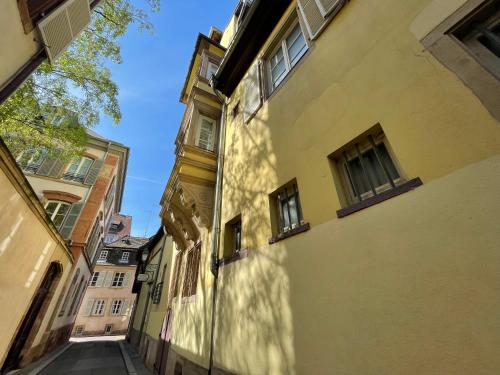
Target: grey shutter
(317, 13)
(124, 308)
(253, 94)
(46, 166)
(126, 279)
(70, 221)
(88, 307)
(109, 279)
(57, 168)
(312, 16)
(100, 279)
(94, 172)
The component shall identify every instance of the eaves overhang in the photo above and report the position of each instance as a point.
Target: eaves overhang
(262, 18)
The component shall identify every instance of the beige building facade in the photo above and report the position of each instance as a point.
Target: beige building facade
(35, 268)
(354, 193)
(109, 301)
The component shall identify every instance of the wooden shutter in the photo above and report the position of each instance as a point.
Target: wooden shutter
(57, 168)
(100, 279)
(329, 5)
(124, 308)
(109, 279)
(253, 94)
(88, 307)
(94, 172)
(70, 221)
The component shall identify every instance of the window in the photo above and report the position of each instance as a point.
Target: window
(286, 212)
(118, 280)
(211, 69)
(156, 295)
(79, 330)
(232, 236)
(30, 160)
(94, 278)
(98, 308)
(367, 172)
(191, 275)
(116, 307)
(103, 256)
(125, 256)
(108, 328)
(286, 55)
(57, 211)
(78, 169)
(480, 34)
(205, 136)
(368, 169)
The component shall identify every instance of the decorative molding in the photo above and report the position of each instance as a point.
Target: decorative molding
(53, 195)
(198, 198)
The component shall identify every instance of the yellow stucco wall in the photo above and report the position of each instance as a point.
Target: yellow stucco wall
(27, 247)
(17, 47)
(409, 286)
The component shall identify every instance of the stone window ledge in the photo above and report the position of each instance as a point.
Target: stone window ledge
(242, 254)
(388, 194)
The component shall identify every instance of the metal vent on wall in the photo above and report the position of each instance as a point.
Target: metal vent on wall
(63, 25)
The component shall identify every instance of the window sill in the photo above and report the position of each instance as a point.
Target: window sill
(281, 236)
(242, 254)
(388, 194)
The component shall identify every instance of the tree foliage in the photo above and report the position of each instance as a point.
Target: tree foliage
(78, 87)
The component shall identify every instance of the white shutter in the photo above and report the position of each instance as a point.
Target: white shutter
(253, 93)
(109, 279)
(100, 279)
(317, 13)
(126, 279)
(124, 309)
(88, 307)
(63, 25)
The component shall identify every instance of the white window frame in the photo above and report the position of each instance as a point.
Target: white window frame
(103, 259)
(125, 257)
(99, 307)
(94, 278)
(106, 331)
(118, 279)
(283, 47)
(58, 207)
(116, 307)
(198, 132)
(80, 164)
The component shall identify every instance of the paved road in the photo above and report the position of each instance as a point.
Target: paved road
(89, 358)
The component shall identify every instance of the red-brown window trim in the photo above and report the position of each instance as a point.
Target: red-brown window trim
(53, 195)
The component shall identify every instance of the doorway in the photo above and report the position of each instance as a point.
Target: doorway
(14, 356)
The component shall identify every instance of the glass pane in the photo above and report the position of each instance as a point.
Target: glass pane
(386, 159)
(294, 215)
(73, 166)
(296, 45)
(286, 217)
(361, 186)
(85, 166)
(278, 67)
(51, 207)
(374, 169)
(60, 215)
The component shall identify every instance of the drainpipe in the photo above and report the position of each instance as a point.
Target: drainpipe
(214, 266)
(145, 313)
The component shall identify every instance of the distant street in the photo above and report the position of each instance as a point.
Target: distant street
(89, 358)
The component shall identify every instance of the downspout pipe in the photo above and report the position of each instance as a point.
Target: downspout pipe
(214, 265)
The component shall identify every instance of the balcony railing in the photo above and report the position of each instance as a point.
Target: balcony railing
(74, 177)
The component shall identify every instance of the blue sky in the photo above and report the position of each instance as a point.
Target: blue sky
(150, 80)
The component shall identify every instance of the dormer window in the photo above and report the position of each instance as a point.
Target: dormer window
(206, 133)
(125, 257)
